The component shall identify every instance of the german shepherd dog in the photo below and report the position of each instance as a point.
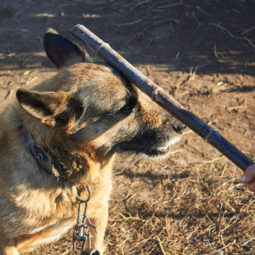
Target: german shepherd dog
(61, 136)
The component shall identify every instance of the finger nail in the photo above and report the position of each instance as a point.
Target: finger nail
(244, 179)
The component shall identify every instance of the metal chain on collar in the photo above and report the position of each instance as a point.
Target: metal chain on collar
(81, 233)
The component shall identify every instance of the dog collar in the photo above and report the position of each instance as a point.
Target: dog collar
(44, 158)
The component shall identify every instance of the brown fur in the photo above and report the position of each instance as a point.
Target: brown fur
(82, 116)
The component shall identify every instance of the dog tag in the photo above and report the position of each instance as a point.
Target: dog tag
(41, 158)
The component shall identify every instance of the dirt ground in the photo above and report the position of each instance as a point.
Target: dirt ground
(203, 53)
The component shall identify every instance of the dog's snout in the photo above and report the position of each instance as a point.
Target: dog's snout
(179, 127)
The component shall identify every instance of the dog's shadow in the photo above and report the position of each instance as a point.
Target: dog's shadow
(146, 212)
(148, 175)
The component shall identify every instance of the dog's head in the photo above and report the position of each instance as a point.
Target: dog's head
(94, 105)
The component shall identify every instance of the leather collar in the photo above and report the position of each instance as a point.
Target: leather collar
(44, 158)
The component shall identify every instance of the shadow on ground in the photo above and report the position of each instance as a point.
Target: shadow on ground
(199, 36)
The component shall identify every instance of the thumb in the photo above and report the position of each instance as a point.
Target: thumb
(249, 175)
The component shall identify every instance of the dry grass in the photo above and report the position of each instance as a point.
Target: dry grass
(202, 210)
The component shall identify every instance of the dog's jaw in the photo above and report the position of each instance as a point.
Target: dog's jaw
(155, 152)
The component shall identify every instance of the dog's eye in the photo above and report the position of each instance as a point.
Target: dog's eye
(129, 107)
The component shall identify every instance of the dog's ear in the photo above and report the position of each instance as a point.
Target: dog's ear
(55, 109)
(61, 51)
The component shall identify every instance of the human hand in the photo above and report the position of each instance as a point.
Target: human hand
(249, 177)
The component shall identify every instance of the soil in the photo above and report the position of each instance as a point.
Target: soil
(201, 52)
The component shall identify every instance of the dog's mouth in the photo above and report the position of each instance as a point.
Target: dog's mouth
(152, 150)
(159, 151)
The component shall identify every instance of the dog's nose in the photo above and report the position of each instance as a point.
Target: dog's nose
(179, 127)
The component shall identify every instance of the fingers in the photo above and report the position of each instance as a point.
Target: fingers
(249, 177)
(251, 186)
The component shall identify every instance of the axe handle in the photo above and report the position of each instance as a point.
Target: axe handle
(161, 97)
